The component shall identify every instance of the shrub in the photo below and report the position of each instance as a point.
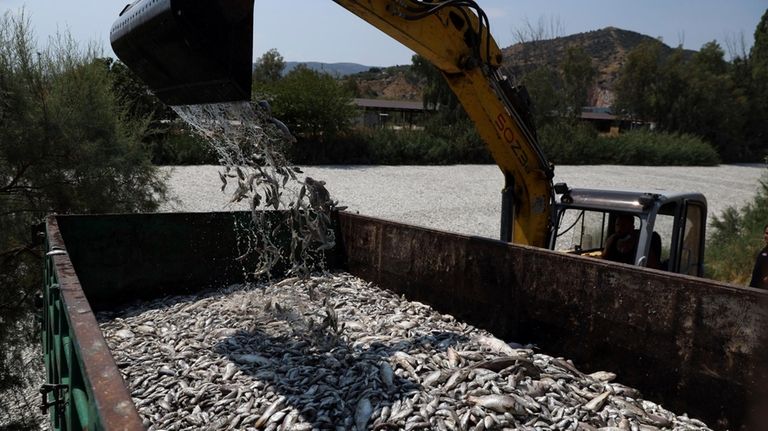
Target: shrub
(661, 149)
(567, 144)
(579, 145)
(182, 148)
(736, 237)
(394, 147)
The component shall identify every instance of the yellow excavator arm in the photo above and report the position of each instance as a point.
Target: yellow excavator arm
(452, 34)
(454, 38)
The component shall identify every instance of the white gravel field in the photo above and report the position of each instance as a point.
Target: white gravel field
(466, 198)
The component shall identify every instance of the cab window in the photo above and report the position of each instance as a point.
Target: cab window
(584, 231)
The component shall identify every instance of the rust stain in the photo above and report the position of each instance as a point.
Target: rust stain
(110, 396)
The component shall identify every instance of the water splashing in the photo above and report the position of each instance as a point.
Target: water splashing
(251, 146)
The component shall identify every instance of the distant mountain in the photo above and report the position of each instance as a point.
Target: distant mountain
(334, 69)
(608, 48)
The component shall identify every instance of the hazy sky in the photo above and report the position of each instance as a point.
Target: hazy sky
(319, 30)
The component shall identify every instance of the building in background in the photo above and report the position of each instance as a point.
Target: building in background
(396, 114)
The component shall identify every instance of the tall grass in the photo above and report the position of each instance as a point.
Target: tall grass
(735, 239)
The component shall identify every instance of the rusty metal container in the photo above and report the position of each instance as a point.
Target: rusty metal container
(692, 344)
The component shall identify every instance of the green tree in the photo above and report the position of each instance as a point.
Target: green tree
(134, 95)
(757, 88)
(578, 76)
(702, 94)
(351, 86)
(268, 68)
(759, 52)
(67, 145)
(671, 92)
(712, 106)
(313, 104)
(543, 85)
(637, 86)
(437, 93)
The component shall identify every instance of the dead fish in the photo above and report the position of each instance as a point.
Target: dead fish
(386, 374)
(498, 403)
(319, 198)
(432, 378)
(242, 355)
(223, 181)
(241, 192)
(125, 333)
(229, 371)
(499, 363)
(562, 363)
(274, 407)
(363, 413)
(456, 378)
(603, 376)
(496, 345)
(145, 329)
(453, 358)
(656, 420)
(597, 403)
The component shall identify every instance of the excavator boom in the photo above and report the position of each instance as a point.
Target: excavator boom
(197, 51)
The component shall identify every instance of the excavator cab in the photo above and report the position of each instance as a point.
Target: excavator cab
(669, 227)
(188, 51)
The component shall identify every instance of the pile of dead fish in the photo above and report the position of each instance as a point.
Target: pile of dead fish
(335, 352)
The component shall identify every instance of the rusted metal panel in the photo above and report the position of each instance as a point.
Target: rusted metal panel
(693, 344)
(107, 394)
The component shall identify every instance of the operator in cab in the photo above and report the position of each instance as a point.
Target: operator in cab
(622, 245)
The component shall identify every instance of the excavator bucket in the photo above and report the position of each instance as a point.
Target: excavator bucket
(188, 51)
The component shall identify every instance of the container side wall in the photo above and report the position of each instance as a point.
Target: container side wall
(694, 345)
(124, 258)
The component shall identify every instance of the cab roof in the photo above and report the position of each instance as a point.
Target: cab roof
(625, 200)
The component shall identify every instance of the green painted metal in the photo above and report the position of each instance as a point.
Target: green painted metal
(69, 400)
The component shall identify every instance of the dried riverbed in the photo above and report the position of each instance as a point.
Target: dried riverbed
(336, 352)
(466, 198)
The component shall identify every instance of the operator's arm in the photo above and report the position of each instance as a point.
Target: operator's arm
(454, 36)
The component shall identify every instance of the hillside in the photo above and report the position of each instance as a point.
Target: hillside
(391, 83)
(608, 48)
(334, 69)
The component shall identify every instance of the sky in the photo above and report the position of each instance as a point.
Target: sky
(317, 30)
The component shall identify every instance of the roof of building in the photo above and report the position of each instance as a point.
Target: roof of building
(401, 105)
(598, 116)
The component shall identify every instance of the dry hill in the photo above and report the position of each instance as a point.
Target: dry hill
(608, 48)
(391, 83)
